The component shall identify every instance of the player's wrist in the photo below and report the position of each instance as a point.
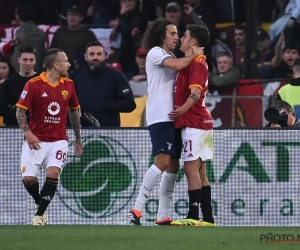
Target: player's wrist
(78, 140)
(27, 131)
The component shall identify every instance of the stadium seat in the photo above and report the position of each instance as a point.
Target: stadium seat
(135, 118)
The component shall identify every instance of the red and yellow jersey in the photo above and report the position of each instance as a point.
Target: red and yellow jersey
(48, 106)
(195, 75)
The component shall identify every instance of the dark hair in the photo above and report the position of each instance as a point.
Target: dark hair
(155, 34)
(94, 43)
(200, 33)
(290, 46)
(240, 27)
(25, 11)
(280, 104)
(26, 49)
(10, 67)
(50, 57)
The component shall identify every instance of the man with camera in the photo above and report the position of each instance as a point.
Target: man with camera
(281, 114)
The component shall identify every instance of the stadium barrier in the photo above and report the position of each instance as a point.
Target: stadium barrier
(254, 178)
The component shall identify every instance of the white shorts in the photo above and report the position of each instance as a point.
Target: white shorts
(51, 154)
(197, 143)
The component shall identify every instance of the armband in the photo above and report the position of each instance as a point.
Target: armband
(194, 97)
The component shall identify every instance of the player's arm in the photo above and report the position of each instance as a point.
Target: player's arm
(75, 121)
(190, 102)
(74, 115)
(193, 98)
(32, 140)
(182, 63)
(22, 120)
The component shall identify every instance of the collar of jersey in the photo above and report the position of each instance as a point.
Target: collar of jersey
(44, 79)
(201, 57)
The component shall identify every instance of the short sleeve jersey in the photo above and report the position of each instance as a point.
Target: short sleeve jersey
(195, 75)
(160, 87)
(48, 106)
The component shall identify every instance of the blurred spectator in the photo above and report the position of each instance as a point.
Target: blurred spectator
(204, 11)
(6, 69)
(7, 11)
(278, 9)
(138, 81)
(265, 54)
(290, 16)
(160, 6)
(102, 11)
(102, 91)
(73, 38)
(28, 34)
(240, 40)
(291, 92)
(283, 60)
(226, 74)
(13, 86)
(128, 24)
(175, 14)
(219, 48)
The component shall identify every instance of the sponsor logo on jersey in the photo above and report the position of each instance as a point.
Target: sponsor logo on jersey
(53, 108)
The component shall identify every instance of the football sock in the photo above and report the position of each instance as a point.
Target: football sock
(150, 178)
(206, 204)
(166, 190)
(47, 193)
(33, 190)
(194, 202)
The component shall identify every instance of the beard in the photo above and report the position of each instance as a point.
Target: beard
(94, 66)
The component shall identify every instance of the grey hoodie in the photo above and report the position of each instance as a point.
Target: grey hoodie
(33, 36)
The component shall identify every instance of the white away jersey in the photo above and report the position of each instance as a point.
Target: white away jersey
(160, 88)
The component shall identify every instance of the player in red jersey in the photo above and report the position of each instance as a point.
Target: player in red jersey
(193, 117)
(48, 97)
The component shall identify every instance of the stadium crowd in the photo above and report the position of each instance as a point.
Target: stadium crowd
(125, 21)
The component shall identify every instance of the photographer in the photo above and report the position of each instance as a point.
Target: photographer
(281, 114)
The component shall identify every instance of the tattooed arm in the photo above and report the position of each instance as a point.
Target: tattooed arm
(32, 140)
(75, 121)
(22, 120)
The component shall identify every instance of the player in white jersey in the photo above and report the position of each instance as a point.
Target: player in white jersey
(161, 65)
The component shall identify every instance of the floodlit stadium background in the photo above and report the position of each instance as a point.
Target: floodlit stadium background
(254, 178)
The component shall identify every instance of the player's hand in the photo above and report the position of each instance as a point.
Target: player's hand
(197, 50)
(179, 111)
(78, 148)
(32, 140)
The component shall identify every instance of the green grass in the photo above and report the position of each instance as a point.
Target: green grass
(52, 237)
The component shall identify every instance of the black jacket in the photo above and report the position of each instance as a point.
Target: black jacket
(105, 94)
(9, 96)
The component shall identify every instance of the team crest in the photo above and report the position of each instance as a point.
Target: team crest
(64, 94)
(23, 169)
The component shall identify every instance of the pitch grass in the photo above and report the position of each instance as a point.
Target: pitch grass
(56, 237)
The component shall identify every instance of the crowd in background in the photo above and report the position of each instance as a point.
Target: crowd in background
(277, 47)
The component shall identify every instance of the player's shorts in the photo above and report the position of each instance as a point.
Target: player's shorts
(165, 138)
(51, 154)
(197, 143)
